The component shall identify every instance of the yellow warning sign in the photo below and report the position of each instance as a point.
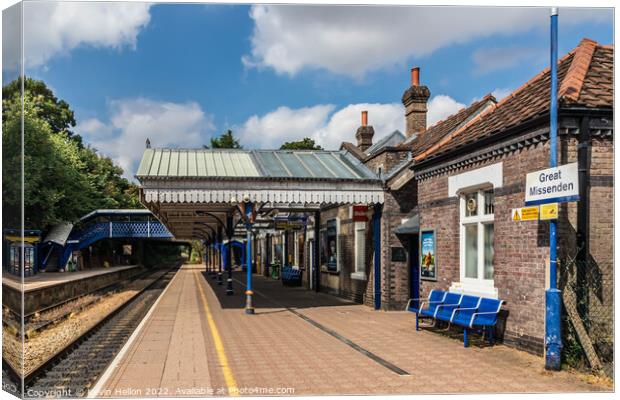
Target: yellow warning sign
(525, 214)
(549, 211)
(529, 213)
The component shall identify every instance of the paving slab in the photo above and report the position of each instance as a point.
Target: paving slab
(199, 342)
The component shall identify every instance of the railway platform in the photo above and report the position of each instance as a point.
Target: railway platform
(47, 289)
(47, 279)
(197, 341)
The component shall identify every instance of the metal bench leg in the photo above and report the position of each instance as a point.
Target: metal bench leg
(465, 339)
(492, 335)
(417, 323)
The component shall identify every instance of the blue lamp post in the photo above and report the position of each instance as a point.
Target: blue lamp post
(553, 298)
(248, 213)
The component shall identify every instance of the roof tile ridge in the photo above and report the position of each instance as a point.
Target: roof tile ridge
(474, 104)
(577, 71)
(532, 80)
(451, 136)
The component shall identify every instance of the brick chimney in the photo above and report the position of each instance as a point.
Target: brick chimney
(414, 100)
(364, 133)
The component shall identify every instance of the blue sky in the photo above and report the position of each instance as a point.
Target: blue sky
(181, 73)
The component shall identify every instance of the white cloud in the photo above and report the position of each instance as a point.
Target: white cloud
(352, 40)
(500, 93)
(441, 107)
(493, 59)
(282, 125)
(132, 121)
(385, 119)
(330, 127)
(53, 28)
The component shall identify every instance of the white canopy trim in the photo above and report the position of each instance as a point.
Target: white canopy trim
(264, 196)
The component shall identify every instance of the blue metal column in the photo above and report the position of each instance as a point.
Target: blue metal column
(220, 255)
(228, 258)
(249, 309)
(213, 271)
(207, 258)
(376, 240)
(248, 211)
(553, 298)
(316, 261)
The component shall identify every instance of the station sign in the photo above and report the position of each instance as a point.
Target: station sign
(289, 225)
(360, 213)
(552, 185)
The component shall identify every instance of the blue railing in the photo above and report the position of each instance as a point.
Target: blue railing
(91, 233)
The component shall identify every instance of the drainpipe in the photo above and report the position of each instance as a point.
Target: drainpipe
(583, 149)
(316, 268)
(553, 298)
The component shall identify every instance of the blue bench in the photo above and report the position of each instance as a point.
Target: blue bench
(473, 313)
(291, 276)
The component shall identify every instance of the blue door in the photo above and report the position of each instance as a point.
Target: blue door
(414, 269)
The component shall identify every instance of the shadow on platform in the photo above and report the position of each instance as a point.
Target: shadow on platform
(270, 294)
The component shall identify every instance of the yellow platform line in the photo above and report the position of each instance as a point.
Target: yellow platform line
(219, 345)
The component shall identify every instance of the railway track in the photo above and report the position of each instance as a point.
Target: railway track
(74, 369)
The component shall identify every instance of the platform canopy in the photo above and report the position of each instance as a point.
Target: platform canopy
(193, 190)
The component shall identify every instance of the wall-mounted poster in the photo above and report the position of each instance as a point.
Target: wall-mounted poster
(428, 267)
(332, 245)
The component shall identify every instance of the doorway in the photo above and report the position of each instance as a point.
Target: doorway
(414, 269)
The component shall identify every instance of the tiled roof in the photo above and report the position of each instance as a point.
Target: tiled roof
(441, 130)
(597, 90)
(585, 77)
(257, 164)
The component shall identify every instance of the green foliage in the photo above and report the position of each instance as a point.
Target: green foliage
(304, 144)
(52, 110)
(197, 252)
(225, 141)
(63, 180)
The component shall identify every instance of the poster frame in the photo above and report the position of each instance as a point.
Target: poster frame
(424, 232)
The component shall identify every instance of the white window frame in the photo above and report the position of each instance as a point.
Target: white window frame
(359, 228)
(480, 220)
(476, 181)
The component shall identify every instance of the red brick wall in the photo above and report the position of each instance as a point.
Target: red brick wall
(521, 248)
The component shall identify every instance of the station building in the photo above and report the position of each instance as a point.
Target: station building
(453, 185)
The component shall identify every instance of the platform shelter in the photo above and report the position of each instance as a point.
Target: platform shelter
(217, 194)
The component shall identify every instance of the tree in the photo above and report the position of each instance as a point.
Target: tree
(225, 141)
(63, 179)
(54, 188)
(107, 180)
(304, 144)
(55, 112)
